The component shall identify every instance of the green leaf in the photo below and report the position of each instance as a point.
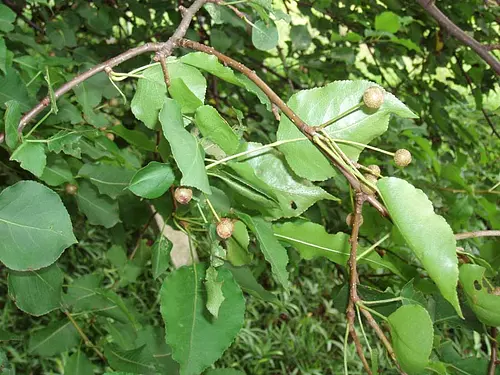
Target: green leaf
(151, 90)
(248, 283)
(79, 364)
(5, 56)
(311, 240)
(412, 337)
(11, 119)
(186, 150)
(57, 171)
(60, 34)
(8, 336)
(484, 303)
(35, 227)
(7, 18)
(36, 292)
(224, 371)
(265, 36)
(179, 91)
(160, 255)
(213, 126)
(99, 209)
(66, 141)
(387, 21)
(55, 338)
(67, 113)
(210, 64)
(152, 181)
(134, 137)
(319, 105)
(274, 253)
(237, 245)
(109, 179)
(300, 37)
(12, 87)
(136, 361)
(85, 295)
(198, 340)
(31, 156)
(427, 234)
(267, 170)
(215, 297)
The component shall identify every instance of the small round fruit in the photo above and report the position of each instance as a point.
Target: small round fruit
(183, 195)
(350, 219)
(402, 157)
(113, 102)
(110, 136)
(374, 170)
(71, 189)
(373, 97)
(373, 180)
(225, 228)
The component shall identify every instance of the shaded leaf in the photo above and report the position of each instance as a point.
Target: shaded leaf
(57, 171)
(135, 361)
(99, 209)
(198, 340)
(11, 119)
(237, 245)
(248, 283)
(274, 253)
(160, 255)
(36, 292)
(109, 179)
(485, 305)
(35, 227)
(55, 338)
(79, 364)
(215, 297)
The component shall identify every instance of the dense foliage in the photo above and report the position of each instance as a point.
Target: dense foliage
(171, 214)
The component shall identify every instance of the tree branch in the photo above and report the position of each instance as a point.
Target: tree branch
(481, 233)
(31, 114)
(353, 278)
(494, 351)
(460, 35)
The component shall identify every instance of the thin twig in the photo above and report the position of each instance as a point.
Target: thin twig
(141, 233)
(20, 14)
(480, 233)
(353, 279)
(494, 351)
(82, 334)
(163, 63)
(431, 8)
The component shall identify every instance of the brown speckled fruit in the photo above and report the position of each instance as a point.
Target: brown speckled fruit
(374, 170)
(110, 136)
(225, 228)
(366, 189)
(373, 97)
(183, 195)
(402, 157)
(350, 218)
(71, 189)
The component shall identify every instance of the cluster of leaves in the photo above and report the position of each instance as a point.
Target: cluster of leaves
(96, 160)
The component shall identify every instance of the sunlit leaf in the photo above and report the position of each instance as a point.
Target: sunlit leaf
(428, 234)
